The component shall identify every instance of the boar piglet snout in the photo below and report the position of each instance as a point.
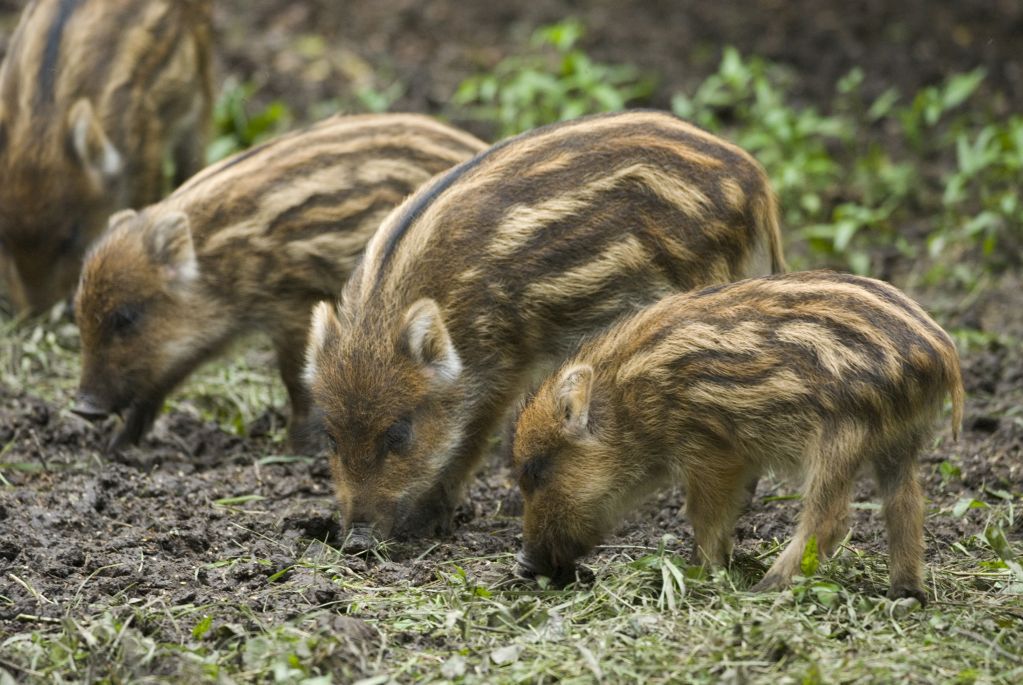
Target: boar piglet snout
(560, 576)
(89, 407)
(360, 537)
(137, 417)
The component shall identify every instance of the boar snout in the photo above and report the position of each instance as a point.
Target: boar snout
(360, 538)
(89, 407)
(529, 566)
(137, 419)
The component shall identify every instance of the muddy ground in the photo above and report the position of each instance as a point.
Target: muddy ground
(80, 530)
(164, 521)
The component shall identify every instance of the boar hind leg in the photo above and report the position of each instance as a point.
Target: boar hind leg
(714, 499)
(138, 419)
(904, 518)
(304, 432)
(825, 516)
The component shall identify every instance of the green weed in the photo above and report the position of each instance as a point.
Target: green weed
(853, 181)
(554, 82)
(237, 127)
(929, 180)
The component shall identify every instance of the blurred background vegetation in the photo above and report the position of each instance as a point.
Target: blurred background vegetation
(893, 135)
(894, 139)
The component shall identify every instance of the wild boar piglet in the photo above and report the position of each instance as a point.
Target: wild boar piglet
(248, 245)
(494, 271)
(814, 374)
(95, 97)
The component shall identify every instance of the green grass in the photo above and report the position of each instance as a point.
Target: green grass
(647, 617)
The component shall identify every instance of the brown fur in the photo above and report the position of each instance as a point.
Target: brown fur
(495, 271)
(249, 244)
(816, 373)
(94, 96)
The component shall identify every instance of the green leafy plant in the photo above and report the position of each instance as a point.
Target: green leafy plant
(934, 102)
(750, 101)
(853, 180)
(981, 198)
(557, 80)
(236, 127)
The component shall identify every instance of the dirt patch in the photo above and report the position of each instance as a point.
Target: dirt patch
(201, 517)
(80, 528)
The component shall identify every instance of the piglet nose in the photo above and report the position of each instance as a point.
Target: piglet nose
(360, 538)
(89, 408)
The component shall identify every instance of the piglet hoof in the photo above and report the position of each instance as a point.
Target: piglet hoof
(444, 526)
(121, 441)
(524, 568)
(905, 591)
(584, 575)
(137, 421)
(129, 436)
(573, 575)
(428, 521)
(770, 583)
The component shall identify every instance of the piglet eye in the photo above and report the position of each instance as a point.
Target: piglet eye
(398, 436)
(533, 474)
(124, 318)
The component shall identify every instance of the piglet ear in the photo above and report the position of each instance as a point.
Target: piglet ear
(427, 341)
(122, 217)
(89, 141)
(168, 241)
(573, 396)
(324, 327)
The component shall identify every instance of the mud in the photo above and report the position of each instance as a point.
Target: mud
(201, 517)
